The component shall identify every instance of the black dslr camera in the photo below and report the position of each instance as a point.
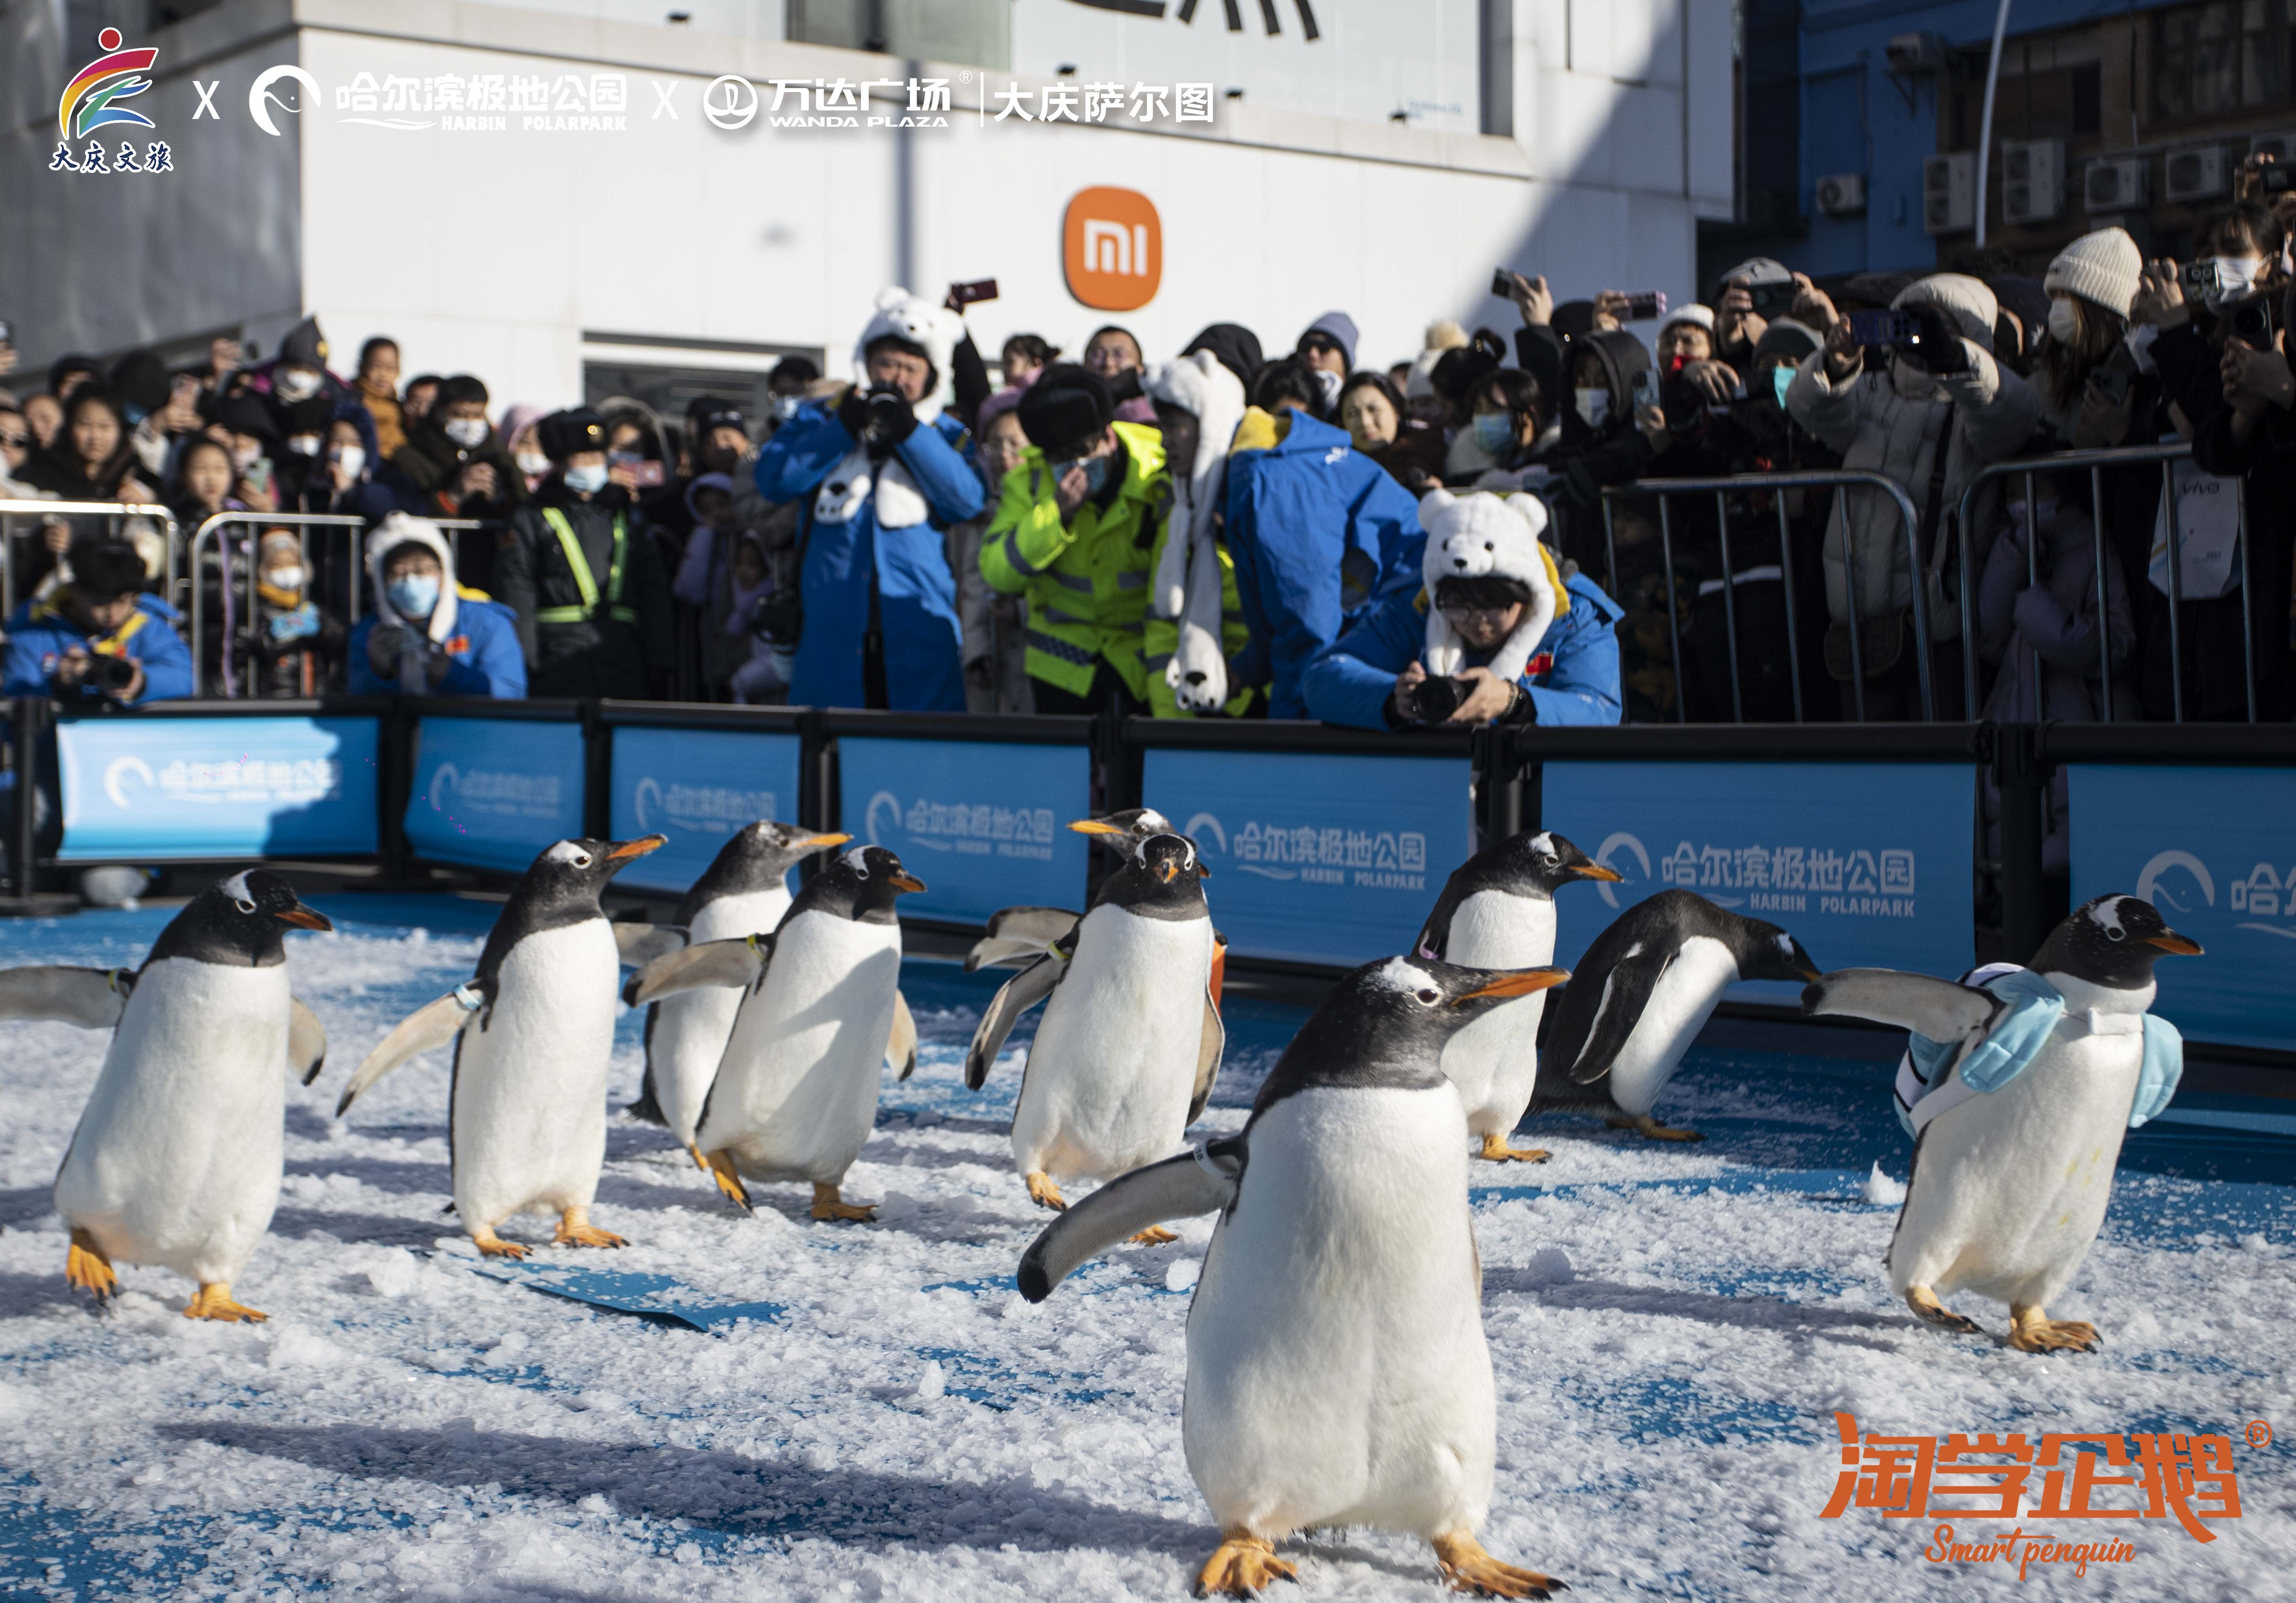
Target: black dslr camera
(1436, 699)
(2251, 321)
(108, 673)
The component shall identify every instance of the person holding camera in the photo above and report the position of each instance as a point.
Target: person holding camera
(880, 467)
(100, 640)
(428, 635)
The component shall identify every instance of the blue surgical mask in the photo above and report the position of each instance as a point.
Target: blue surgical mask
(1783, 378)
(413, 594)
(586, 481)
(1493, 430)
(1095, 473)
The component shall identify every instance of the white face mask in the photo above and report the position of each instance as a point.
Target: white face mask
(1594, 406)
(469, 433)
(303, 445)
(1329, 383)
(244, 457)
(2237, 277)
(297, 383)
(350, 458)
(533, 462)
(586, 481)
(2064, 323)
(285, 578)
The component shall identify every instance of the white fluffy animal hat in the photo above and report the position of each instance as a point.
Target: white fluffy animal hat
(1479, 536)
(934, 329)
(1186, 585)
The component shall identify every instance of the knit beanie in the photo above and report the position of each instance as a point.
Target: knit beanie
(1697, 315)
(2103, 267)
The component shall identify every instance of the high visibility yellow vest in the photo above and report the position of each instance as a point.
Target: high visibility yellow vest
(587, 611)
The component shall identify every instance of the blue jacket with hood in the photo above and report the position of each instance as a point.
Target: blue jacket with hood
(884, 540)
(1319, 532)
(1574, 677)
(40, 634)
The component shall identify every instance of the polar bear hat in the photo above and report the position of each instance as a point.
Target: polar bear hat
(1477, 535)
(933, 329)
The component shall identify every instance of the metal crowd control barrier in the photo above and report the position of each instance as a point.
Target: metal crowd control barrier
(10, 511)
(1721, 489)
(2096, 463)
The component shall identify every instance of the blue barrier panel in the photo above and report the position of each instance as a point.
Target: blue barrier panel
(984, 825)
(490, 792)
(1317, 858)
(151, 789)
(1869, 864)
(2209, 848)
(697, 786)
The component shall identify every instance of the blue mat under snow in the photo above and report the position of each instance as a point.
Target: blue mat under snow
(629, 1291)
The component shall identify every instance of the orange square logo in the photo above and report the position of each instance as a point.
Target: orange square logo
(1112, 249)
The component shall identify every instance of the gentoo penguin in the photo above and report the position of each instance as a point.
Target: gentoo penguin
(744, 891)
(533, 1034)
(1130, 1042)
(1022, 933)
(178, 1154)
(1337, 1370)
(796, 1093)
(1497, 911)
(2010, 1182)
(1641, 995)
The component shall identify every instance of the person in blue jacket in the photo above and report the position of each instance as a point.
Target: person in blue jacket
(1318, 532)
(98, 639)
(1375, 677)
(428, 635)
(885, 469)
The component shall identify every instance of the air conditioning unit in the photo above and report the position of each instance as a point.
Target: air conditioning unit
(2280, 147)
(2032, 180)
(1842, 194)
(2118, 184)
(2197, 175)
(1914, 53)
(1949, 192)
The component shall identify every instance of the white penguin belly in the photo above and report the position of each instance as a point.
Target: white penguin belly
(2011, 1187)
(176, 1161)
(691, 1028)
(1493, 1061)
(1337, 1372)
(1679, 1004)
(1113, 1067)
(530, 1129)
(797, 1094)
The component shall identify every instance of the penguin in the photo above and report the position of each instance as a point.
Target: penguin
(795, 1095)
(1023, 933)
(1337, 1368)
(1497, 911)
(1640, 996)
(2009, 1186)
(744, 891)
(534, 1033)
(178, 1154)
(1130, 1043)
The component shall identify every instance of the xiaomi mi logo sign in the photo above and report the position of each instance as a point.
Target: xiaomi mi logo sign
(1112, 249)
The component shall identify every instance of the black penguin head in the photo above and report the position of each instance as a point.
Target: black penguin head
(861, 883)
(1169, 858)
(2112, 939)
(1161, 877)
(240, 921)
(1766, 952)
(759, 857)
(569, 875)
(1540, 864)
(1132, 826)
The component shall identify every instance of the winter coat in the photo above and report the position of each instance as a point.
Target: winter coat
(40, 634)
(704, 582)
(290, 663)
(1572, 678)
(993, 626)
(1319, 533)
(2055, 617)
(873, 556)
(605, 644)
(484, 656)
(2266, 461)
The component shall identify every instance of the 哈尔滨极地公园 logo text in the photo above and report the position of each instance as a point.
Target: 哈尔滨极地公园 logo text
(970, 828)
(1318, 854)
(717, 809)
(494, 793)
(128, 781)
(1855, 881)
(94, 100)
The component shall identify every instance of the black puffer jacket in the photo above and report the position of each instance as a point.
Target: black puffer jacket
(628, 655)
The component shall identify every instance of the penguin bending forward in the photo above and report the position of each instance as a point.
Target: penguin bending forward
(1018, 934)
(178, 1157)
(1130, 1043)
(795, 1095)
(1497, 911)
(534, 1034)
(1640, 996)
(2009, 1186)
(744, 891)
(1337, 1370)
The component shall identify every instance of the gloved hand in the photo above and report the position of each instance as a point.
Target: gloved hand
(853, 411)
(891, 419)
(296, 623)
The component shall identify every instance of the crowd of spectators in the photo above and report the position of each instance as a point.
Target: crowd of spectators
(1226, 532)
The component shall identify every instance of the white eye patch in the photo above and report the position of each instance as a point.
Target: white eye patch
(568, 852)
(1400, 973)
(236, 887)
(2106, 915)
(855, 858)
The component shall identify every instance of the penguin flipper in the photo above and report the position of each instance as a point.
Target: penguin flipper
(642, 943)
(1208, 1048)
(433, 1025)
(901, 1046)
(1940, 1009)
(693, 967)
(1020, 993)
(1018, 933)
(1201, 1181)
(90, 998)
(307, 1042)
(1626, 993)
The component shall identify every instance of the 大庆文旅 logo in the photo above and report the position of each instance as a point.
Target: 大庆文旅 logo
(93, 101)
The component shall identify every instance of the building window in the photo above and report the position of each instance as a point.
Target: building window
(2220, 59)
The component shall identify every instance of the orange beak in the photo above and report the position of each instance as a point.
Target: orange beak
(1522, 981)
(306, 918)
(2183, 946)
(1095, 827)
(822, 842)
(624, 851)
(906, 882)
(1167, 869)
(1597, 871)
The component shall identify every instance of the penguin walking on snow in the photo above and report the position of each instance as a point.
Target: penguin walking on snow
(796, 1093)
(1337, 1370)
(1019, 935)
(2036, 1075)
(744, 891)
(1130, 1043)
(533, 1034)
(1497, 911)
(178, 1154)
(1640, 996)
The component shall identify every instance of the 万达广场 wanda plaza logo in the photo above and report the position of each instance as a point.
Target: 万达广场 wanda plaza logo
(92, 102)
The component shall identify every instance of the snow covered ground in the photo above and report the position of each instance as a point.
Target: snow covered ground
(880, 1416)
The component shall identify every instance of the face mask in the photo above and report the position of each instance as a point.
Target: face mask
(1493, 430)
(1782, 378)
(1095, 475)
(303, 445)
(533, 462)
(2237, 277)
(350, 458)
(785, 407)
(2064, 323)
(467, 431)
(1593, 407)
(1329, 383)
(245, 457)
(134, 414)
(413, 594)
(586, 481)
(297, 384)
(285, 578)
